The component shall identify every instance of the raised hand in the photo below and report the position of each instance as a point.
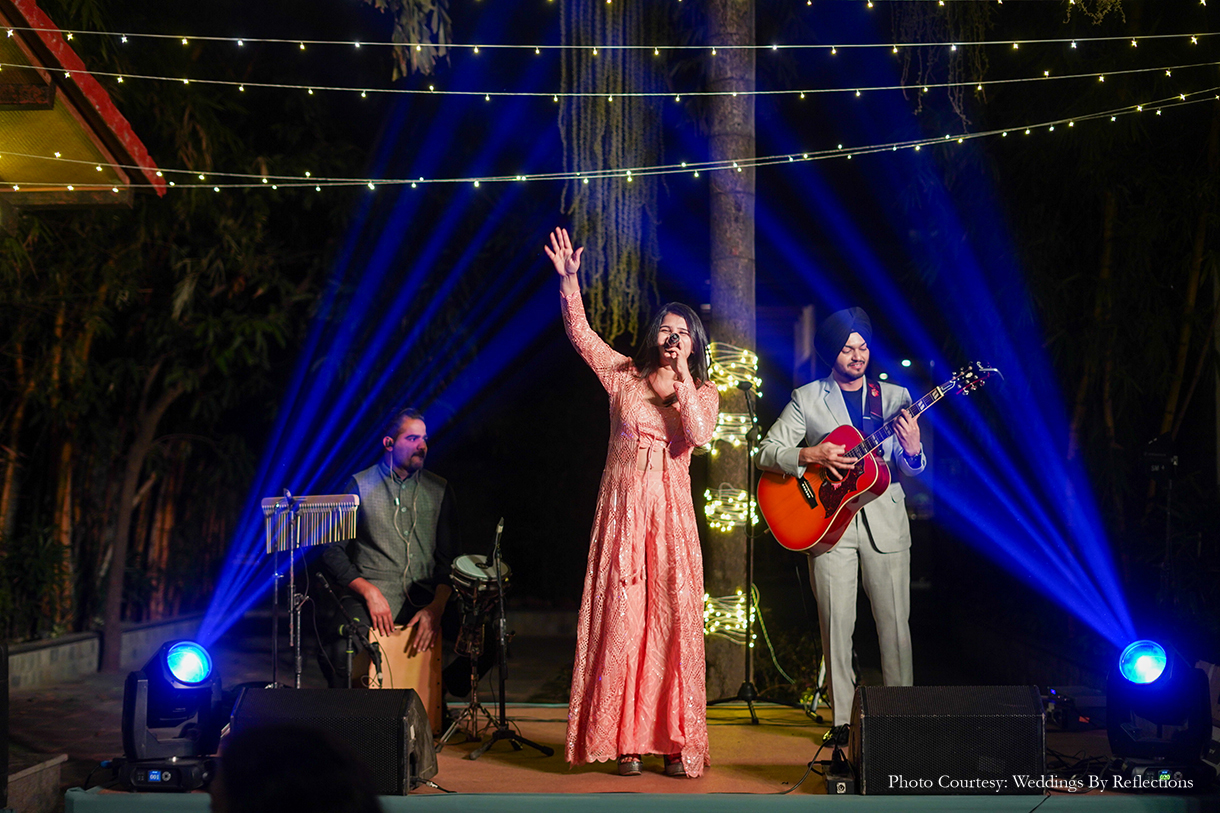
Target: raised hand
(566, 261)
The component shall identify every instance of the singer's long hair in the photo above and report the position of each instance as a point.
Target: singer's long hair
(648, 355)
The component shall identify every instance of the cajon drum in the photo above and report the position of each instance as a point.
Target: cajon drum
(403, 669)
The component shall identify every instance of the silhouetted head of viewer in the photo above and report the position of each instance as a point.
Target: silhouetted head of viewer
(282, 768)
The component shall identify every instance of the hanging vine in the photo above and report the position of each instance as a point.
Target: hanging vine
(1096, 10)
(615, 219)
(953, 22)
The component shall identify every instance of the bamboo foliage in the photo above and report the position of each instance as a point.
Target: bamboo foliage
(418, 22)
(615, 219)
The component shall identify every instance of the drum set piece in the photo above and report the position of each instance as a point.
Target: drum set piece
(479, 586)
(480, 583)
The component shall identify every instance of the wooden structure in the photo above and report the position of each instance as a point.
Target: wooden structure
(63, 143)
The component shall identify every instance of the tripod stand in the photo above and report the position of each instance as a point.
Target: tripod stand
(474, 708)
(503, 730)
(748, 693)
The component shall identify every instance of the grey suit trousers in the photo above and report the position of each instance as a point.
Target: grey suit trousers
(886, 578)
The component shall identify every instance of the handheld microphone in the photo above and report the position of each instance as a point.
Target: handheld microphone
(672, 341)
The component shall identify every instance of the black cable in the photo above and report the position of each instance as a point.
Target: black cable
(105, 763)
(388, 667)
(808, 770)
(1077, 765)
(1035, 807)
(318, 635)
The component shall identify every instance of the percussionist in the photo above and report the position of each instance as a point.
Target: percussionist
(396, 569)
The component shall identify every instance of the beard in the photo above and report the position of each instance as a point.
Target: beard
(415, 462)
(851, 374)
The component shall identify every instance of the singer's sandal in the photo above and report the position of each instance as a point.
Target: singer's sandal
(674, 766)
(630, 765)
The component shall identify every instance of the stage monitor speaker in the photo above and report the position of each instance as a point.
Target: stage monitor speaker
(387, 729)
(938, 740)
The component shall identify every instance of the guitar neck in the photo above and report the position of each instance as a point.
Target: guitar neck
(871, 443)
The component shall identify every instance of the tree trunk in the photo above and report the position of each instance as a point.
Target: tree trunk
(61, 600)
(730, 22)
(147, 418)
(1101, 313)
(1192, 286)
(9, 488)
(69, 359)
(163, 522)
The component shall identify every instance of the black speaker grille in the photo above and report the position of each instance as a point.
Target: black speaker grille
(949, 739)
(372, 724)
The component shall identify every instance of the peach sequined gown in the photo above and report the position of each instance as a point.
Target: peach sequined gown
(638, 684)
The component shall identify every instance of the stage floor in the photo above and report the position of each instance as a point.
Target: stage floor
(746, 758)
(752, 765)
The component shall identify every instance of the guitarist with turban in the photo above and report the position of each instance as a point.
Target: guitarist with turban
(877, 542)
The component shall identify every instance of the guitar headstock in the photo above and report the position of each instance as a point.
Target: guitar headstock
(970, 378)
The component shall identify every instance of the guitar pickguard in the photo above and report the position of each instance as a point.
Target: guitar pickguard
(833, 494)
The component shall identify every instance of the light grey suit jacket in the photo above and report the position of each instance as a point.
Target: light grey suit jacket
(814, 411)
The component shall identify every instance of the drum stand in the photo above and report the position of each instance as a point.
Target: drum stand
(474, 708)
(503, 730)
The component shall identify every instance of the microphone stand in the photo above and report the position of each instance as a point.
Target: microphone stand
(290, 507)
(748, 693)
(503, 730)
(353, 630)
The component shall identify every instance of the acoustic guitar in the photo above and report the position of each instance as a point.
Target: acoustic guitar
(810, 513)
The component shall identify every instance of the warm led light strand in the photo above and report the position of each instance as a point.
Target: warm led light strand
(489, 95)
(731, 365)
(731, 428)
(656, 48)
(728, 508)
(728, 617)
(297, 181)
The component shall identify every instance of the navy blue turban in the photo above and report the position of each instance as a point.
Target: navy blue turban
(835, 329)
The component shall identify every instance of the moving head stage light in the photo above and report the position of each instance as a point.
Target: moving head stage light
(1158, 715)
(171, 720)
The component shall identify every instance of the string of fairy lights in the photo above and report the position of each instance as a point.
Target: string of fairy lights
(556, 96)
(729, 617)
(488, 95)
(732, 618)
(712, 49)
(728, 507)
(730, 365)
(224, 180)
